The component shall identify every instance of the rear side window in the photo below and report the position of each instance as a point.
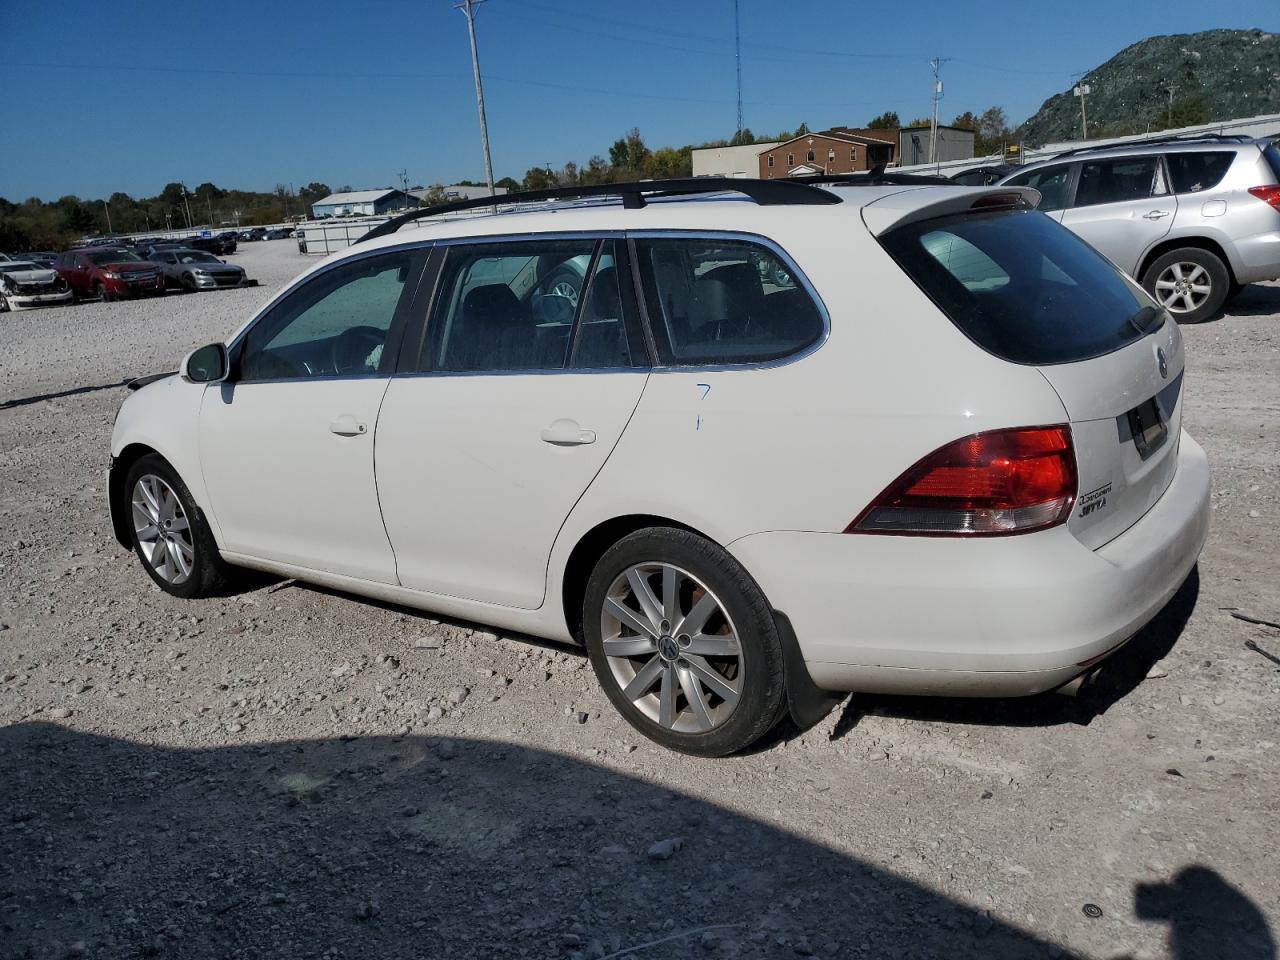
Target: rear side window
(1052, 182)
(1020, 285)
(1193, 172)
(1115, 181)
(723, 301)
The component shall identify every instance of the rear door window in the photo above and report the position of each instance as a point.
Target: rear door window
(1054, 184)
(713, 301)
(1193, 172)
(1021, 286)
(1117, 180)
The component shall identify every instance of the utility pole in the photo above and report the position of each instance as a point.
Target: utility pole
(1082, 90)
(209, 196)
(186, 204)
(107, 207)
(937, 63)
(1170, 119)
(468, 9)
(737, 60)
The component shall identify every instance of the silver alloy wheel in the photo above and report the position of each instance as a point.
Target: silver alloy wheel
(672, 647)
(162, 528)
(564, 288)
(1183, 287)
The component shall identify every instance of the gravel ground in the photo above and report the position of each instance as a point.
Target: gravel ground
(291, 772)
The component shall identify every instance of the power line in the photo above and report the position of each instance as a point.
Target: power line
(737, 59)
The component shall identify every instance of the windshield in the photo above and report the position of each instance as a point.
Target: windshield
(1021, 286)
(196, 256)
(114, 256)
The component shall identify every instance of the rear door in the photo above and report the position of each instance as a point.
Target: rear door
(1122, 206)
(1028, 291)
(530, 369)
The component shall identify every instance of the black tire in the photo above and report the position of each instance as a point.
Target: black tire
(1219, 278)
(209, 573)
(757, 669)
(100, 292)
(188, 283)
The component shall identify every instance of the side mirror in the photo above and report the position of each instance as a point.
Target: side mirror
(209, 364)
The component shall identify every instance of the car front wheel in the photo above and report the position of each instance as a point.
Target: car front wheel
(684, 643)
(1191, 283)
(170, 536)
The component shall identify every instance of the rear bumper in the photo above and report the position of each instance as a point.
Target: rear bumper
(1257, 257)
(992, 617)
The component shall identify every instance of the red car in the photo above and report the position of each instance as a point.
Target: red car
(110, 274)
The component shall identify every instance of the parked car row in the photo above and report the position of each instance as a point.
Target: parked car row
(112, 273)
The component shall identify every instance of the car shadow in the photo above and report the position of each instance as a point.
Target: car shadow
(1254, 300)
(1120, 675)
(434, 847)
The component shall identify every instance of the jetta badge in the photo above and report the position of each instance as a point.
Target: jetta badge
(1163, 363)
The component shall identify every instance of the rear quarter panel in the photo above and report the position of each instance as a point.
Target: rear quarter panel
(805, 445)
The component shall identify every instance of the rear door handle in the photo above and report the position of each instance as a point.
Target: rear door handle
(1154, 214)
(567, 433)
(346, 426)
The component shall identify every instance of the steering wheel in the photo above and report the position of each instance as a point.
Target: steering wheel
(350, 350)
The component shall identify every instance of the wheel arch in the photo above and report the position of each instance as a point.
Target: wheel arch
(1176, 243)
(806, 703)
(121, 464)
(586, 553)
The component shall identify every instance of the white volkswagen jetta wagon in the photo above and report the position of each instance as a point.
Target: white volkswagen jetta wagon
(749, 442)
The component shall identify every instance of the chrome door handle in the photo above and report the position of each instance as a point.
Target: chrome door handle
(346, 426)
(1154, 214)
(567, 433)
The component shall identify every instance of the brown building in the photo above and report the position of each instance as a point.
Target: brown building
(838, 150)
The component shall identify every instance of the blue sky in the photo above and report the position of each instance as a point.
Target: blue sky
(250, 93)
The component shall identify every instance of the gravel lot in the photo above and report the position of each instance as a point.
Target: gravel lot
(295, 773)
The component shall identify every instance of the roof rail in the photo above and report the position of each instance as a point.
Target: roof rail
(763, 192)
(1152, 141)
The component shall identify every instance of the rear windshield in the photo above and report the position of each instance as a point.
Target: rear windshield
(1020, 285)
(1272, 156)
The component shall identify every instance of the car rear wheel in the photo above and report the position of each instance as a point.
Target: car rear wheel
(170, 535)
(1191, 283)
(684, 643)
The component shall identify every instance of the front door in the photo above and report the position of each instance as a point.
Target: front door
(1122, 207)
(286, 445)
(530, 371)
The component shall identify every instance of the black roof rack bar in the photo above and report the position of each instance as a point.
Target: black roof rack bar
(763, 192)
(1153, 141)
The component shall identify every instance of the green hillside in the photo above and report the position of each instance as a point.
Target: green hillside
(1214, 75)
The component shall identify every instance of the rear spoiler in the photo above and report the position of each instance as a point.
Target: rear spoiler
(909, 206)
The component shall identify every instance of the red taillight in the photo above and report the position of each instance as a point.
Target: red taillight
(1269, 194)
(999, 482)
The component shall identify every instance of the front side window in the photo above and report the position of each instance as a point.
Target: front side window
(335, 324)
(1193, 172)
(508, 306)
(1052, 182)
(1116, 181)
(713, 301)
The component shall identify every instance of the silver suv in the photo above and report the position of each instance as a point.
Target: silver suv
(1192, 219)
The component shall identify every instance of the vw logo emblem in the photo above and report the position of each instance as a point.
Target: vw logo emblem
(1162, 363)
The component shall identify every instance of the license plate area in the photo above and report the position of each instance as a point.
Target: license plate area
(1148, 427)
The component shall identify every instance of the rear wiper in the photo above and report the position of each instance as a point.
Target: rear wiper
(1141, 321)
